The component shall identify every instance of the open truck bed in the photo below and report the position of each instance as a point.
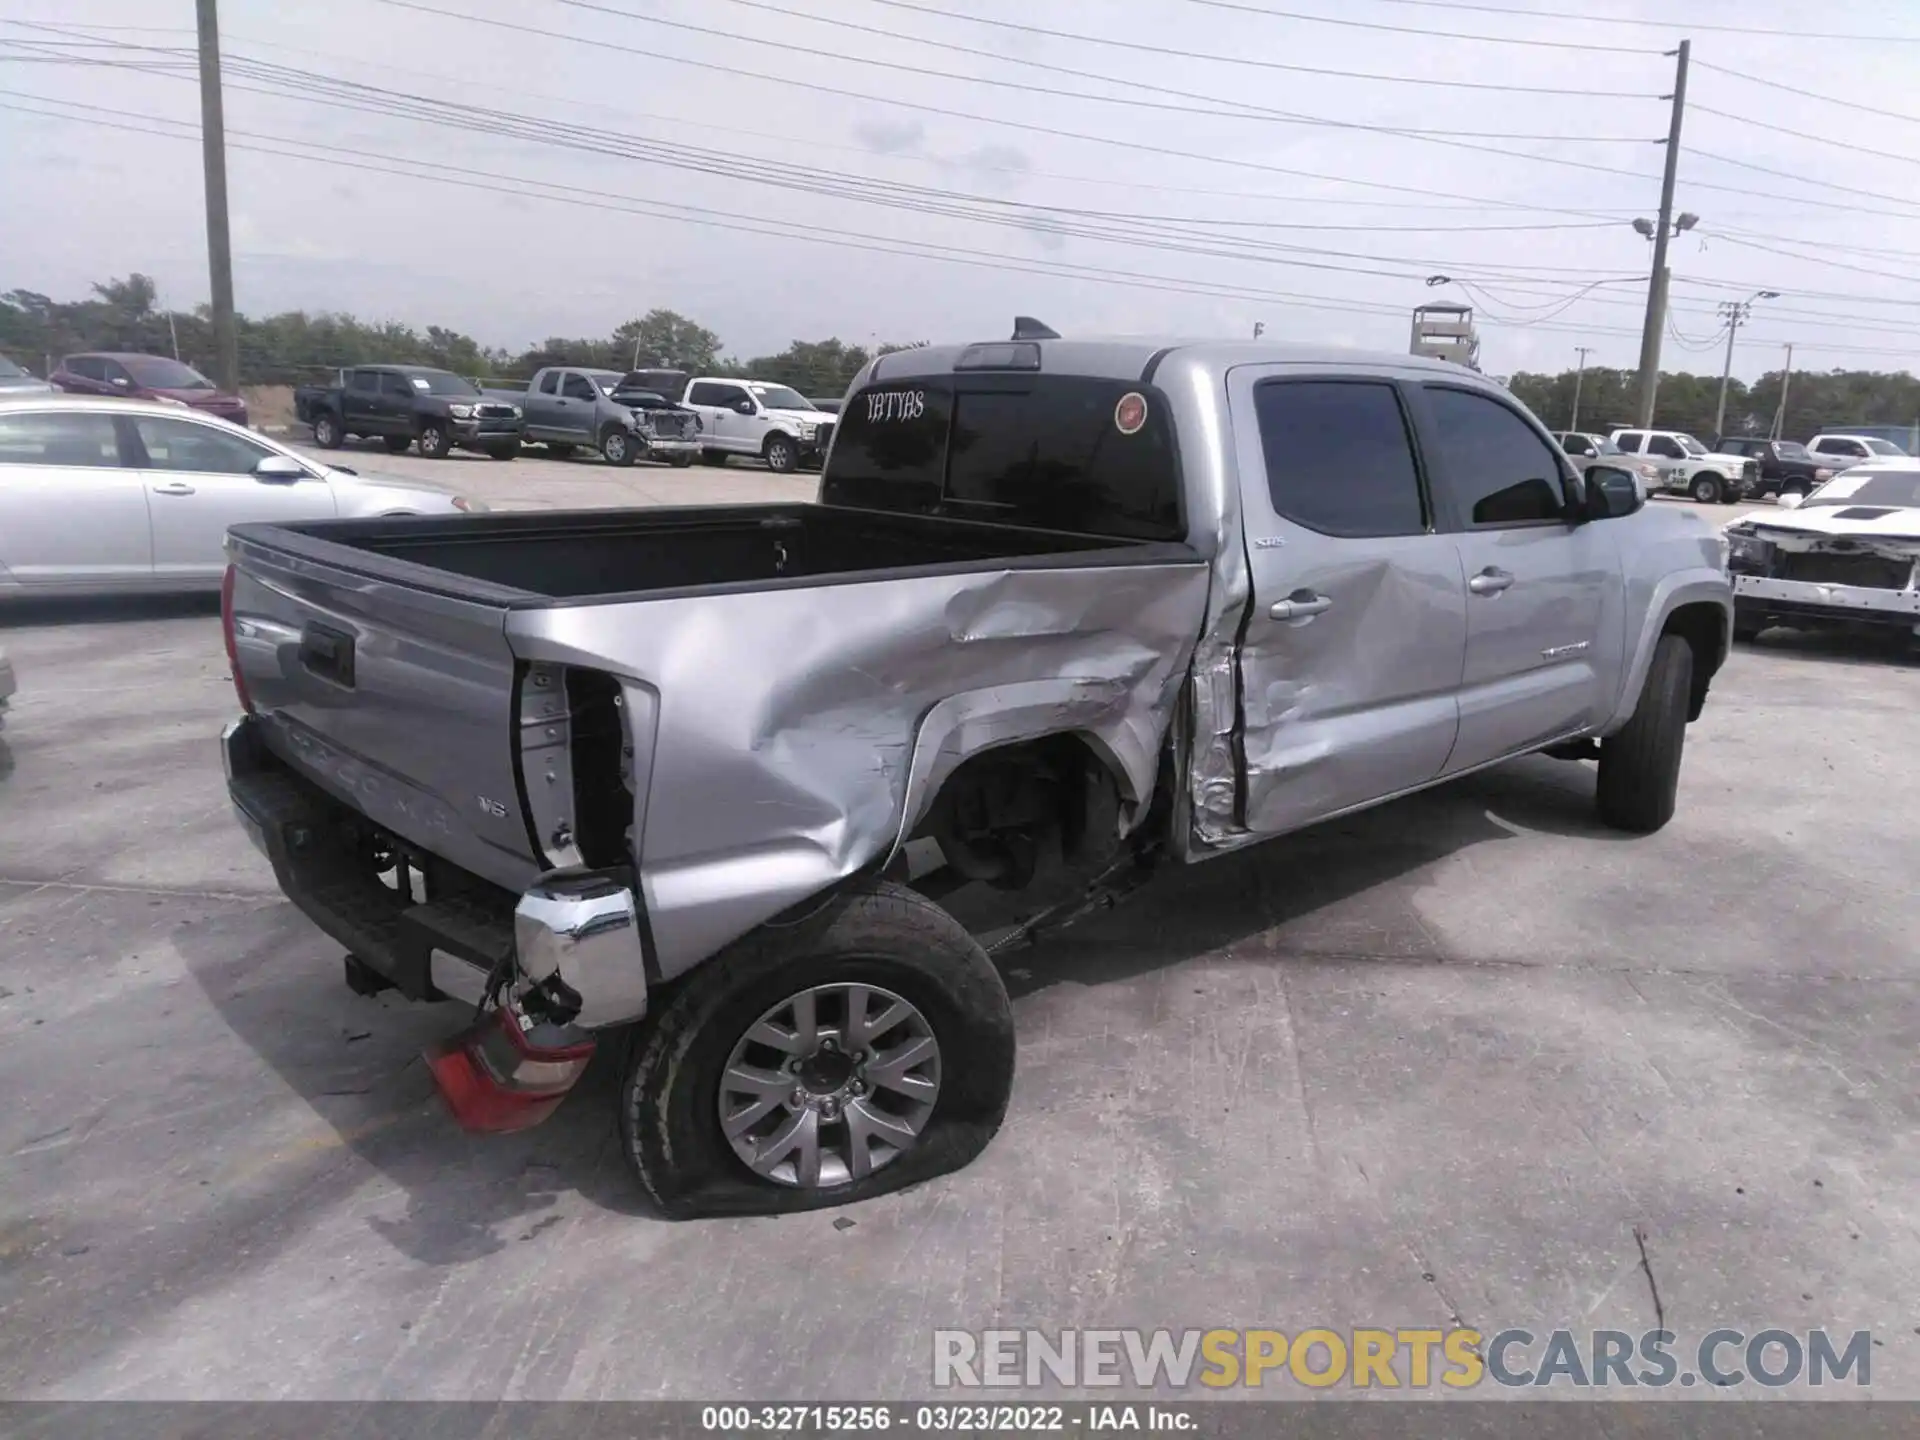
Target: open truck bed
(729, 700)
(539, 557)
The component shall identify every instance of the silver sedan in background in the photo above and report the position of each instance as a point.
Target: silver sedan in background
(103, 496)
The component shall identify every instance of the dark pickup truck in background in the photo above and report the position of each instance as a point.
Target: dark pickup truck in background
(411, 405)
(1786, 466)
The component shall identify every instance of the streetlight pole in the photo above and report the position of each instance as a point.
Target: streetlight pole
(1736, 312)
(1657, 285)
(1578, 376)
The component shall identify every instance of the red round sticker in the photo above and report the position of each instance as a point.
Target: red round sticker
(1131, 413)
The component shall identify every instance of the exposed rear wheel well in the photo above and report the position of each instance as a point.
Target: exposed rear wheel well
(1704, 628)
(1038, 814)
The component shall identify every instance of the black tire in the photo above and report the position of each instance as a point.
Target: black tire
(434, 441)
(781, 454)
(879, 933)
(1640, 765)
(618, 447)
(397, 444)
(509, 451)
(326, 432)
(713, 457)
(559, 449)
(1705, 489)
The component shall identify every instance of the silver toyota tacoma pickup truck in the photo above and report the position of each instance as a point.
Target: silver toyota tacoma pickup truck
(1065, 611)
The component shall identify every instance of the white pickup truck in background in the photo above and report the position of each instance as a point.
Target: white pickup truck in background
(758, 419)
(1688, 468)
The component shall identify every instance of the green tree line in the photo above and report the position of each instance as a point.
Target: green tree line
(297, 348)
(1816, 401)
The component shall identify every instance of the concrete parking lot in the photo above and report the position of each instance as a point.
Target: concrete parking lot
(1437, 1063)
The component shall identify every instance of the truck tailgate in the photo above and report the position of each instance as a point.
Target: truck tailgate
(398, 700)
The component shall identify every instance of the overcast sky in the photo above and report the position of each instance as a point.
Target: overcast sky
(543, 239)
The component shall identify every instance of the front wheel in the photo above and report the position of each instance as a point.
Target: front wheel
(617, 447)
(783, 456)
(433, 441)
(1640, 765)
(863, 1049)
(326, 433)
(1706, 489)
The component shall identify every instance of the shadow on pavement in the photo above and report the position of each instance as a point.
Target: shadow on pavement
(108, 610)
(355, 1061)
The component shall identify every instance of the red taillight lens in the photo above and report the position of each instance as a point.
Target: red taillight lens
(226, 632)
(495, 1080)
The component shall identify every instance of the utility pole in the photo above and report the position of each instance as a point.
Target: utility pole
(1657, 285)
(1578, 376)
(213, 154)
(1736, 312)
(1786, 378)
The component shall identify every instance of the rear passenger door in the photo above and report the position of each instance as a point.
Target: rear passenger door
(70, 512)
(1354, 648)
(1544, 607)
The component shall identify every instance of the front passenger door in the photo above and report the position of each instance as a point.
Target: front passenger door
(1545, 622)
(200, 480)
(1352, 653)
(579, 401)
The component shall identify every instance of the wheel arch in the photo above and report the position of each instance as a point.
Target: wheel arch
(1695, 604)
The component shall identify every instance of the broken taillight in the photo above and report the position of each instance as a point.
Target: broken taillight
(495, 1078)
(226, 632)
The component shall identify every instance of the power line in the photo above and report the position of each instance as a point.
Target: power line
(955, 204)
(1820, 260)
(1453, 140)
(1138, 48)
(1136, 148)
(1858, 106)
(1789, 175)
(415, 72)
(1804, 135)
(1436, 34)
(1590, 19)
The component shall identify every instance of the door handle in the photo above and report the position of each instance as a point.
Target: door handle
(1490, 581)
(1301, 605)
(173, 487)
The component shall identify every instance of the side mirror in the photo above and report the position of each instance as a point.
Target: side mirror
(1613, 493)
(279, 470)
(745, 407)
(121, 382)
(1791, 500)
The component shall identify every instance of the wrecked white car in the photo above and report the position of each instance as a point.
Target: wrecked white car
(1848, 554)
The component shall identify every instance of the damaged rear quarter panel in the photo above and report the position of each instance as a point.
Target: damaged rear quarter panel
(799, 731)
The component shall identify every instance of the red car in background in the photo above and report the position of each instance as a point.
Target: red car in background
(146, 377)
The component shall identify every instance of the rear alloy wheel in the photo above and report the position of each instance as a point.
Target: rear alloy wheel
(326, 433)
(433, 441)
(397, 444)
(857, 1051)
(783, 456)
(1706, 489)
(617, 447)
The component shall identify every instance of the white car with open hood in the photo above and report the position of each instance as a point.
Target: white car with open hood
(1847, 554)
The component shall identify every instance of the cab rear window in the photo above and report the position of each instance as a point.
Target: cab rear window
(1074, 453)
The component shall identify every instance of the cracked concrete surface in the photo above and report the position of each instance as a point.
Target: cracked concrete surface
(1459, 1057)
